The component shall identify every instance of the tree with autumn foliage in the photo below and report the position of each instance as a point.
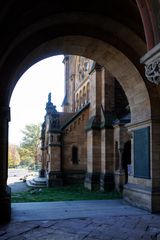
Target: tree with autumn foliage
(13, 156)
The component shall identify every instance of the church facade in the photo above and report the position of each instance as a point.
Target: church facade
(89, 141)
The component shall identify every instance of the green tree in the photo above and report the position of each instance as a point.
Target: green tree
(30, 144)
(13, 156)
(25, 157)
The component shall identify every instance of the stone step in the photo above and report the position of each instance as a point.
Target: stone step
(37, 182)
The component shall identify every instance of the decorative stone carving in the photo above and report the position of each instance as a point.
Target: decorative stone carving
(152, 72)
(83, 69)
(151, 60)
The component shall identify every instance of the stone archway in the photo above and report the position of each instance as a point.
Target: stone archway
(115, 40)
(114, 60)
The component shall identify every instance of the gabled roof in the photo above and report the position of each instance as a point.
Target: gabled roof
(75, 116)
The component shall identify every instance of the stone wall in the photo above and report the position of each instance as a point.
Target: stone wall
(74, 134)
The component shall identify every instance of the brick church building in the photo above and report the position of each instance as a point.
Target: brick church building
(89, 141)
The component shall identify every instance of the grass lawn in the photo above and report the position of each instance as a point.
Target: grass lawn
(65, 193)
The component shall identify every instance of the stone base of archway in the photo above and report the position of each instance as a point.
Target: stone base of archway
(142, 197)
(119, 178)
(91, 181)
(5, 205)
(107, 182)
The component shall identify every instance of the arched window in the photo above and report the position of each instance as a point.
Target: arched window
(75, 155)
(88, 90)
(84, 95)
(81, 99)
(77, 101)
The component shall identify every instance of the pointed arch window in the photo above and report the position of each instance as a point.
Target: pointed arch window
(88, 91)
(75, 155)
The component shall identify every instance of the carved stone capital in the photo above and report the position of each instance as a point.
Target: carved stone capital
(151, 60)
(152, 72)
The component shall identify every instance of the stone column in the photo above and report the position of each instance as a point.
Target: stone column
(107, 144)
(155, 170)
(42, 170)
(107, 153)
(138, 190)
(93, 129)
(5, 191)
(143, 188)
(119, 174)
(121, 136)
(54, 150)
(151, 60)
(42, 138)
(93, 159)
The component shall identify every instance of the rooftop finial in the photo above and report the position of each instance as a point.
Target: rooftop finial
(50, 108)
(49, 97)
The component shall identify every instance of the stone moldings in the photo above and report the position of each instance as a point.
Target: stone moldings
(152, 64)
(152, 72)
(5, 205)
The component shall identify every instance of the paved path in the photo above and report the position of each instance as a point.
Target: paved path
(17, 185)
(72, 209)
(80, 220)
(15, 179)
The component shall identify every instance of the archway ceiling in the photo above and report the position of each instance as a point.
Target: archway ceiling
(98, 27)
(16, 15)
(27, 24)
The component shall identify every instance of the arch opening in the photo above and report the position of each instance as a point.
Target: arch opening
(115, 61)
(110, 58)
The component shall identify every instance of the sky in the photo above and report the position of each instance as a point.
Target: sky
(30, 95)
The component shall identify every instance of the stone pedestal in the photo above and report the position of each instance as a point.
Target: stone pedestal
(119, 178)
(107, 182)
(139, 196)
(143, 189)
(5, 205)
(54, 179)
(42, 173)
(91, 181)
